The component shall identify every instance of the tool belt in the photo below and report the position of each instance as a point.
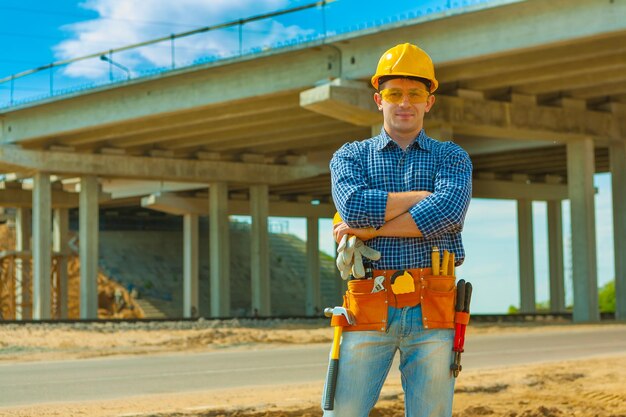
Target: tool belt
(436, 294)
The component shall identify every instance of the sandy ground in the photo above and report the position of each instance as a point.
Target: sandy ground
(589, 388)
(585, 388)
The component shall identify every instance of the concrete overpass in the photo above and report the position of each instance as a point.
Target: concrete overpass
(535, 92)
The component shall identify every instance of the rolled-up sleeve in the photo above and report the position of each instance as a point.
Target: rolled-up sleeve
(444, 210)
(358, 205)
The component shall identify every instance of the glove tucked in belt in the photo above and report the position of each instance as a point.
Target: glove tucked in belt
(350, 253)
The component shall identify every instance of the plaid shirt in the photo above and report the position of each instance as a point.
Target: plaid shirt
(364, 172)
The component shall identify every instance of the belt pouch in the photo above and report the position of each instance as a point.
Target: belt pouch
(438, 299)
(369, 309)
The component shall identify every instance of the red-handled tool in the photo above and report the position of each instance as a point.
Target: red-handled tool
(463, 297)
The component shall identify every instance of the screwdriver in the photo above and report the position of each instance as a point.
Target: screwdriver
(451, 267)
(446, 261)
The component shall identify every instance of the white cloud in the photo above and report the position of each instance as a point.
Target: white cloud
(133, 21)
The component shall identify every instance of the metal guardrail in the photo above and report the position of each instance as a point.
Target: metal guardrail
(109, 55)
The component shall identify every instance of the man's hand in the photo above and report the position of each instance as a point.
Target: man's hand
(341, 229)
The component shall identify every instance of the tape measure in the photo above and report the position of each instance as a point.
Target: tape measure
(402, 282)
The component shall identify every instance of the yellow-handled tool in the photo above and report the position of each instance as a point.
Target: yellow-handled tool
(446, 261)
(435, 260)
(451, 267)
(333, 364)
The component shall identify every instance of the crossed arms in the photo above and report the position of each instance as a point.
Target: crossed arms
(369, 213)
(398, 220)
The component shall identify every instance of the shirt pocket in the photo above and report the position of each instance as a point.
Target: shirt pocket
(421, 180)
(380, 176)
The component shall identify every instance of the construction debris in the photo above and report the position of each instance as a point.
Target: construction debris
(114, 301)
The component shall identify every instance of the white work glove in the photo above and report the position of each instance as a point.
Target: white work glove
(350, 253)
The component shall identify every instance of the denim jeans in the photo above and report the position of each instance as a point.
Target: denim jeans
(425, 358)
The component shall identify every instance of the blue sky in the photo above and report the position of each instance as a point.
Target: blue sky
(36, 32)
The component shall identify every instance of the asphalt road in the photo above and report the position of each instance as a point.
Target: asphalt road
(110, 378)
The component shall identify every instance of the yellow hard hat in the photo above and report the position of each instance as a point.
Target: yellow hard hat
(406, 60)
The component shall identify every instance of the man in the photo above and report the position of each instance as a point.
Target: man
(403, 193)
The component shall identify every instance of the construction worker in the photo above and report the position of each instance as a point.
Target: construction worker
(402, 193)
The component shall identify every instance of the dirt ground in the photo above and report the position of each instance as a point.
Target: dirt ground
(78, 341)
(586, 388)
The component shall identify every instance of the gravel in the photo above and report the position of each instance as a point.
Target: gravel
(201, 323)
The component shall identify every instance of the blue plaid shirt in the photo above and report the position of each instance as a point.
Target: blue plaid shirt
(364, 172)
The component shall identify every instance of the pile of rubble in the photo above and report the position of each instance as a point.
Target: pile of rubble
(114, 301)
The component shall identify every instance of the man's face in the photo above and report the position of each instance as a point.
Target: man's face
(403, 104)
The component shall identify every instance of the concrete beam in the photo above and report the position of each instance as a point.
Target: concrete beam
(155, 125)
(284, 129)
(219, 247)
(123, 166)
(348, 101)
(484, 118)
(463, 46)
(617, 157)
(550, 72)
(609, 89)
(460, 41)
(42, 247)
(211, 133)
(88, 246)
(23, 198)
(190, 266)
(334, 137)
(526, 256)
(178, 91)
(590, 80)
(511, 190)
(259, 251)
(517, 121)
(580, 170)
(173, 204)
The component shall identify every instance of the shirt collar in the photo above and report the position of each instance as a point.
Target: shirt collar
(383, 140)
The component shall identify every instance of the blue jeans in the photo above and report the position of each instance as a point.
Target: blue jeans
(425, 358)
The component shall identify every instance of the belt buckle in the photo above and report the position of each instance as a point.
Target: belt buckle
(402, 282)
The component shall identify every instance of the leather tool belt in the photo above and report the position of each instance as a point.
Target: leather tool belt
(436, 294)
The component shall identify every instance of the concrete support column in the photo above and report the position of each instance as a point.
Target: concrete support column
(580, 170)
(190, 266)
(617, 157)
(376, 129)
(219, 243)
(526, 255)
(555, 257)
(42, 246)
(259, 250)
(88, 246)
(60, 238)
(313, 285)
(23, 301)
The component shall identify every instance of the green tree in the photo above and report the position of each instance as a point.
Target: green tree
(513, 309)
(606, 298)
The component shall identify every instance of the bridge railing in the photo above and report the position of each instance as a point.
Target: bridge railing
(186, 49)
